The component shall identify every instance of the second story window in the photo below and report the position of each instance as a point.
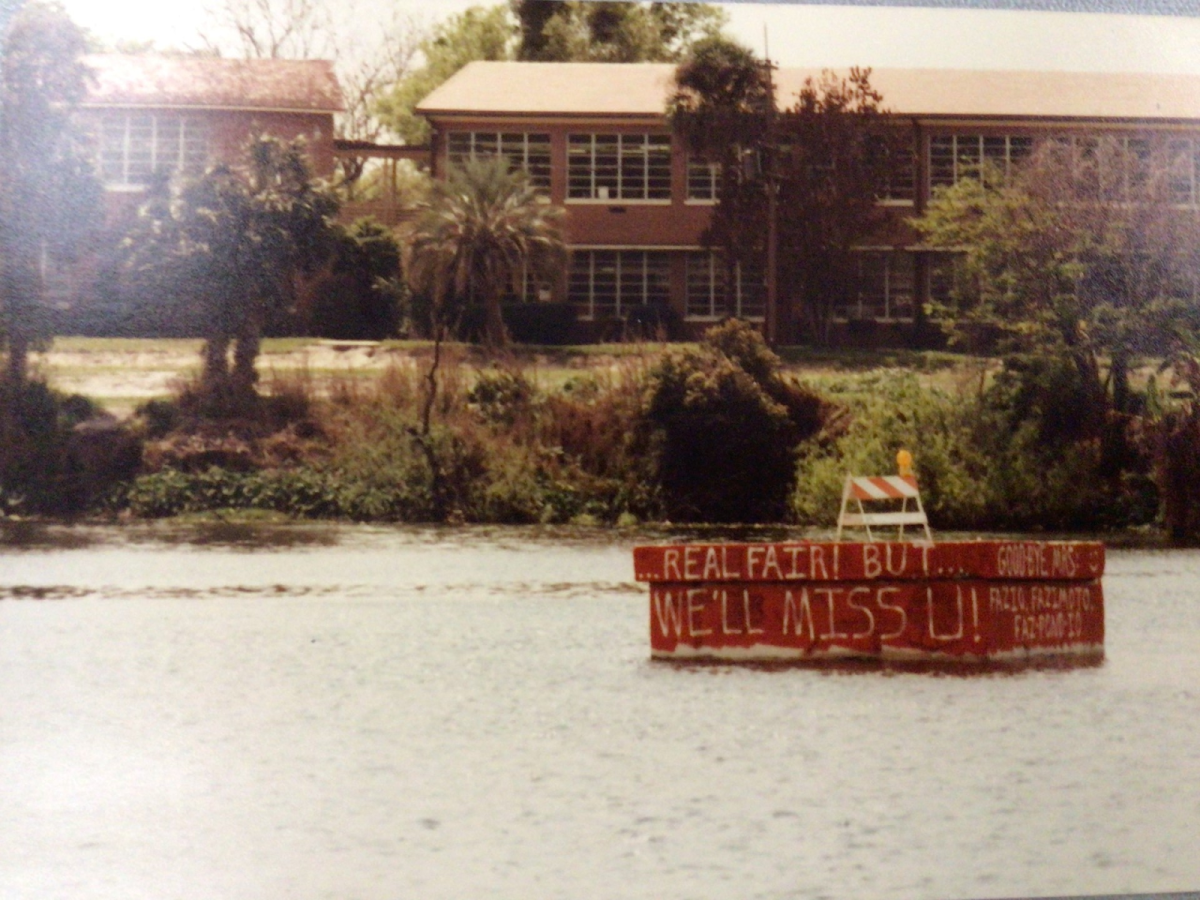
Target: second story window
(619, 167)
(953, 157)
(1183, 161)
(135, 147)
(527, 152)
(703, 179)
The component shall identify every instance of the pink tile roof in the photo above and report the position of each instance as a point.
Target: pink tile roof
(641, 89)
(206, 82)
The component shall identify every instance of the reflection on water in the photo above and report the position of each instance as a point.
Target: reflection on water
(358, 712)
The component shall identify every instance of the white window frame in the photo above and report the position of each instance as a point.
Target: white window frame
(175, 144)
(644, 149)
(703, 181)
(969, 151)
(627, 261)
(528, 151)
(707, 268)
(896, 288)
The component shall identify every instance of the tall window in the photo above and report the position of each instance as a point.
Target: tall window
(528, 152)
(1183, 160)
(710, 296)
(953, 157)
(883, 288)
(619, 167)
(900, 168)
(703, 179)
(137, 146)
(606, 284)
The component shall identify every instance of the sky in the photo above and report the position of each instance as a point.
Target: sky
(803, 35)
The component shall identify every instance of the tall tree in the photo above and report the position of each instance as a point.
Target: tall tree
(722, 108)
(825, 161)
(612, 31)
(49, 196)
(483, 228)
(1081, 254)
(835, 153)
(233, 246)
(479, 33)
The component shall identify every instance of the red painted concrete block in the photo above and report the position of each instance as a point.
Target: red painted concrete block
(901, 619)
(828, 561)
(977, 600)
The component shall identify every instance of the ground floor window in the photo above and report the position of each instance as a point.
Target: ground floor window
(525, 288)
(883, 288)
(606, 284)
(711, 296)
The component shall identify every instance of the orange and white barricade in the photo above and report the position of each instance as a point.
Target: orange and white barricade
(878, 488)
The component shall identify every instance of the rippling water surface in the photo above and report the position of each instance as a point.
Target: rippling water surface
(257, 713)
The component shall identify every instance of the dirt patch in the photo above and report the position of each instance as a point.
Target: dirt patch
(121, 377)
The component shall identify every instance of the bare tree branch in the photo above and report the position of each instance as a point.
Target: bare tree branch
(322, 29)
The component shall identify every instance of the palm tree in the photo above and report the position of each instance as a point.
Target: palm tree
(482, 228)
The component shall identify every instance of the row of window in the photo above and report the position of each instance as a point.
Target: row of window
(608, 284)
(637, 167)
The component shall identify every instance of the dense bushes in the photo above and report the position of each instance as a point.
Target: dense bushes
(724, 428)
(1010, 456)
(709, 433)
(58, 454)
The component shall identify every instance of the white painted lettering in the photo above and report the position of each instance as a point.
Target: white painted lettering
(829, 602)
(794, 552)
(896, 568)
(953, 636)
(712, 569)
(750, 629)
(880, 595)
(816, 559)
(669, 610)
(726, 572)
(725, 629)
(866, 592)
(694, 607)
(752, 552)
(671, 565)
(872, 567)
(799, 616)
(691, 565)
(772, 565)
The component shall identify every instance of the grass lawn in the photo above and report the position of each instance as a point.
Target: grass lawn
(121, 373)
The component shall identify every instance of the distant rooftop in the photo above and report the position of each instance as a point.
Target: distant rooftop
(642, 89)
(280, 85)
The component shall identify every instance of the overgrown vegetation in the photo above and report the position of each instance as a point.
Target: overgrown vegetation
(720, 431)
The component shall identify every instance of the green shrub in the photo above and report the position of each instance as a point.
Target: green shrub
(889, 411)
(51, 465)
(722, 433)
(990, 460)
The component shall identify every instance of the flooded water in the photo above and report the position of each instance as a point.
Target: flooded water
(331, 713)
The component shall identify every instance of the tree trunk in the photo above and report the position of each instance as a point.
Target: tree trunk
(22, 281)
(17, 364)
(249, 342)
(214, 376)
(495, 334)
